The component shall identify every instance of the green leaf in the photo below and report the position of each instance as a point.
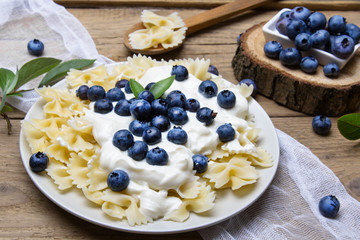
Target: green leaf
(6, 78)
(62, 69)
(7, 108)
(136, 87)
(35, 68)
(161, 86)
(15, 94)
(349, 126)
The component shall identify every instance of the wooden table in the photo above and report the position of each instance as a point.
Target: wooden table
(27, 214)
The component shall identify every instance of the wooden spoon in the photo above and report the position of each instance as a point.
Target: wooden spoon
(198, 22)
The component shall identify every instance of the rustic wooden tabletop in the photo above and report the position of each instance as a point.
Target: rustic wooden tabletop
(27, 214)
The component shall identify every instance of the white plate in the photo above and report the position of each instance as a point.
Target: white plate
(227, 203)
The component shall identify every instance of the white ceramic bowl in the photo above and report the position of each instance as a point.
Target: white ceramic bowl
(271, 34)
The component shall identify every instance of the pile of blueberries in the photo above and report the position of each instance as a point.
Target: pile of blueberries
(312, 30)
(153, 116)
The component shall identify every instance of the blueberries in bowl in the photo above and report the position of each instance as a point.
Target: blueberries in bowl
(301, 13)
(303, 42)
(342, 46)
(295, 27)
(329, 206)
(337, 24)
(320, 38)
(316, 21)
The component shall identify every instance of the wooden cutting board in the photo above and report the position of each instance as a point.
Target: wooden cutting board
(307, 93)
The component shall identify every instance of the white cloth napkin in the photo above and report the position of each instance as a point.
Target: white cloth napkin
(287, 210)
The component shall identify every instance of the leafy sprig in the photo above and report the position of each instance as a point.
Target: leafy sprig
(157, 89)
(349, 126)
(10, 82)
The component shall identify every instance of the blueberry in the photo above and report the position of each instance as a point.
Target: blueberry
(212, 69)
(114, 94)
(123, 139)
(127, 87)
(176, 99)
(138, 150)
(281, 25)
(96, 92)
(151, 135)
(208, 88)
(81, 92)
(138, 127)
(157, 156)
(329, 206)
(103, 106)
(321, 124)
(320, 38)
(200, 163)
(303, 42)
(146, 95)
(121, 83)
(35, 47)
(249, 82)
(140, 109)
(331, 70)
(118, 180)
(38, 162)
(295, 27)
(148, 86)
(226, 99)
(316, 21)
(290, 57)
(309, 64)
(226, 132)
(160, 107)
(180, 72)
(238, 39)
(177, 135)
(285, 14)
(342, 46)
(353, 31)
(122, 108)
(205, 115)
(192, 105)
(161, 122)
(272, 49)
(337, 24)
(301, 13)
(178, 116)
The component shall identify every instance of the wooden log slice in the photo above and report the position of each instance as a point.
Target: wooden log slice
(308, 93)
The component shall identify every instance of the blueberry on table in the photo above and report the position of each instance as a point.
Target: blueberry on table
(303, 42)
(301, 13)
(295, 27)
(114, 94)
(138, 127)
(122, 107)
(96, 92)
(272, 49)
(226, 99)
(160, 107)
(321, 124)
(249, 82)
(180, 72)
(146, 95)
(331, 70)
(205, 115)
(123, 139)
(151, 135)
(316, 21)
(290, 57)
(118, 180)
(178, 116)
(138, 150)
(320, 39)
(81, 92)
(226, 132)
(309, 64)
(176, 99)
(212, 69)
(177, 135)
(353, 31)
(103, 106)
(208, 88)
(342, 46)
(200, 163)
(337, 24)
(38, 162)
(192, 105)
(329, 206)
(140, 109)
(161, 122)
(35, 47)
(121, 83)
(157, 156)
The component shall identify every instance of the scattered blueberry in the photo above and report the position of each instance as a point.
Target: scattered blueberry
(35, 47)
(208, 88)
(151, 135)
(157, 156)
(192, 105)
(331, 70)
(249, 82)
(309, 64)
(342, 46)
(123, 139)
(122, 107)
(140, 109)
(301, 13)
(38, 162)
(103, 106)
(81, 92)
(177, 135)
(320, 38)
(329, 206)
(127, 87)
(161, 122)
(353, 31)
(316, 21)
(180, 72)
(337, 24)
(138, 127)
(138, 150)
(205, 115)
(114, 94)
(226, 132)
(272, 49)
(96, 92)
(200, 163)
(321, 124)
(160, 107)
(121, 83)
(118, 180)
(178, 116)
(295, 27)
(212, 69)
(290, 57)
(226, 99)
(146, 95)
(303, 42)
(176, 99)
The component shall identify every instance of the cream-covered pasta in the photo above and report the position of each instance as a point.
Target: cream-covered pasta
(78, 142)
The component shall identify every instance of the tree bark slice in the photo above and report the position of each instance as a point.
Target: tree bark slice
(308, 93)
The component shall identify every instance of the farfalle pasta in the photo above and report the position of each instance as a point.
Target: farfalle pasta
(81, 154)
